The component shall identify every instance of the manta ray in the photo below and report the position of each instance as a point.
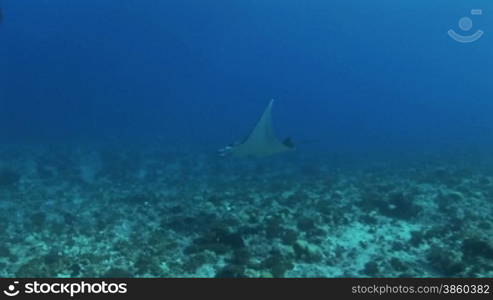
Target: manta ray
(261, 141)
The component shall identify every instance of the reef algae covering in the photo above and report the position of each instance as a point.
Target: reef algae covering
(102, 211)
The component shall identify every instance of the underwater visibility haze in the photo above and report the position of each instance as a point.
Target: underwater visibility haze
(140, 138)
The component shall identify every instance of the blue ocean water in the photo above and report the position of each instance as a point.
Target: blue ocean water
(111, 113)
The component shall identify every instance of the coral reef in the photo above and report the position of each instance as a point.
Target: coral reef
(157, 212)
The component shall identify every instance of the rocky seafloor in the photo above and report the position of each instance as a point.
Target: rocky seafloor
(127, 212)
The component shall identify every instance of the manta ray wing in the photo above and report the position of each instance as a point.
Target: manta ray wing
(262, 140)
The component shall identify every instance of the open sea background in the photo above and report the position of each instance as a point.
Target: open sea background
(111, 113)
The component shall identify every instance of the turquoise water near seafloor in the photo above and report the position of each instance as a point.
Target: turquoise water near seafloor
(112, 112)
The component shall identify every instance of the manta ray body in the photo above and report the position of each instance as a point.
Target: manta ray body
(261, 141)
